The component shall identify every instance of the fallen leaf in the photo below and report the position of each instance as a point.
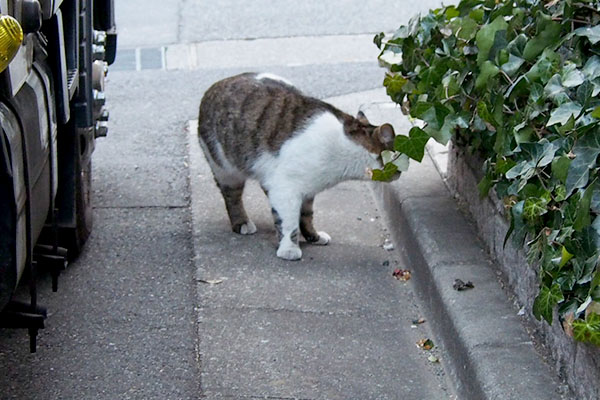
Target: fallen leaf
(425, 344)
(460, 285)
(401, 274)
(433, 359)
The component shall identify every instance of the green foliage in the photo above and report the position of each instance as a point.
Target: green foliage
(546, 301)
(588, 330)
(518, 83)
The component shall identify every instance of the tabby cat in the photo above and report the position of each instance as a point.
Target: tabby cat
(260, 126)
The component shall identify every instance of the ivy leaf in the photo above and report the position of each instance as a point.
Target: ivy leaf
(394, 85)
(378, 38)
(385, 174)
(412, 145)
(592, 33)
(565, 256)
(586, 151)
(512, 65)
(516, 46)
(433, 114)
(545, 302)
(540, 153)
(534, 207)
(486, 36)
(517, 229)
(560, 168)
(591, 69)
(484, 112)
(548, 34)
(484, 186)
(406, 31)
(488, 71)
(588, 330)
(522, 168)
(562, 114)
(583, 218)
(468, 27)
(596, 280)
(571, 76)
(555, 90)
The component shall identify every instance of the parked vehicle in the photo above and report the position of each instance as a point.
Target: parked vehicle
(52, 109)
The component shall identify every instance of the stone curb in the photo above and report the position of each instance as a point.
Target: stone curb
(490, 354)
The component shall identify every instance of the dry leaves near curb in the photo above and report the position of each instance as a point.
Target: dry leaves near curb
(460, 285)
(401, 274)
(425, 344)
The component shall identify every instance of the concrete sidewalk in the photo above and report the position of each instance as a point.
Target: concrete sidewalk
(336, 325)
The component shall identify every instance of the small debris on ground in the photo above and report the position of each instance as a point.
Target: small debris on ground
(567, 324)
(460, 285)
(386, 263)
(425, 344)
(388, 245)
(210, 281)
(433, 359)
(401, 274)
(418, 321)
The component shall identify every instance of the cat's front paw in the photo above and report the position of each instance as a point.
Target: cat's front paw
(324, 239)
(289, 253)
(247, 228)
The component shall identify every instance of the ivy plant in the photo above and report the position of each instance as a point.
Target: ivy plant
(518, 83)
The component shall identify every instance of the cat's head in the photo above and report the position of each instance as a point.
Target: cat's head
(374, 139)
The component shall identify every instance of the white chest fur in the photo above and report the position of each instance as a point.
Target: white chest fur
(318, 157)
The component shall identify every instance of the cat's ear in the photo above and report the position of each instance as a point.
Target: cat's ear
(362, 118)
(385, 134)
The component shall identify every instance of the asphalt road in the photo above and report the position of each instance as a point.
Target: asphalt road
(127, 322)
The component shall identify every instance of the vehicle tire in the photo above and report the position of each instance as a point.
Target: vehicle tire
(74, 237)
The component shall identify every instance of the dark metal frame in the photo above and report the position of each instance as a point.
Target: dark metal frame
(64, 51)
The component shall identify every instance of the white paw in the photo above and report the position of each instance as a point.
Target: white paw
(248, 228)
(289, 253)
(324, 238)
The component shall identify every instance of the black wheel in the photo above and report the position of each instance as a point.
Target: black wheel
(74, 203)
(74, 235)
(83, 208)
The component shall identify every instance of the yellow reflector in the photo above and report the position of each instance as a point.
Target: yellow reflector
(11, 36)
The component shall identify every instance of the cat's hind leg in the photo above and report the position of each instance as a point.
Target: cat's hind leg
(232, 194)
(231, 183)
(306, 225)
(286, 213)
